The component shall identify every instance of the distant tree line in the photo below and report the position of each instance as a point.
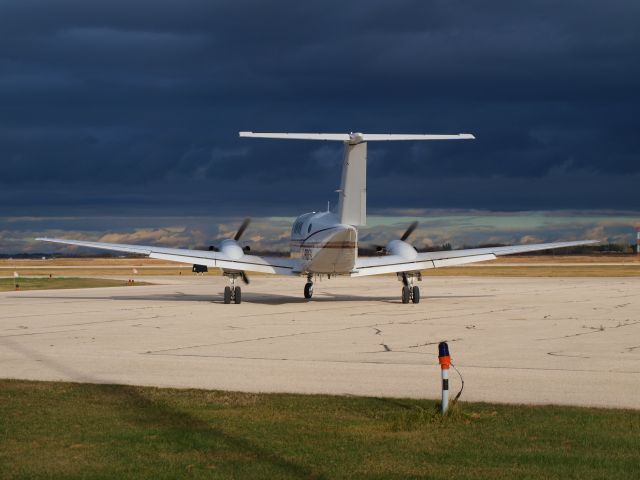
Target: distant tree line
(600, 249)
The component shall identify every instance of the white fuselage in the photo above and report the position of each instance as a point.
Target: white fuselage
(326, 245)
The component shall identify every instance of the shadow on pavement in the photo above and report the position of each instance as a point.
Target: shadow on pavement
(257, 298)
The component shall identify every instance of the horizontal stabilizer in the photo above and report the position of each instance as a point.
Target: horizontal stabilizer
(355, 138)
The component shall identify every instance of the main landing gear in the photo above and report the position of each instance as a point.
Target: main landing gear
(308, 288)
(410, 292)
(232, 293)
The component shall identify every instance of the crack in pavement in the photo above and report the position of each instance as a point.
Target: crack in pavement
(595, 330)
(433, 343)
(558, 354)
(314, 332)
(41, 333)
(273, 337)
(76, 313)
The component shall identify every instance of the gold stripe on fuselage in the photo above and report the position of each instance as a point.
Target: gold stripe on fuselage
(347, 244)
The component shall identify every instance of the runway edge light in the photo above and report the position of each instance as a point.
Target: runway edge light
(445, 362)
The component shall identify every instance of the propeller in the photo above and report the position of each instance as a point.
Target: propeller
(409, 231)
(243, 226)
(382, 250)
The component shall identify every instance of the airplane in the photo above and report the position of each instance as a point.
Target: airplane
(326, 243)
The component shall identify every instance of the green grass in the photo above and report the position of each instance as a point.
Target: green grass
(63, 430)
(46, 283)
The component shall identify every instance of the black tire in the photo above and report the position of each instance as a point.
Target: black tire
(238, 295)
(416, 295)
(405, 295)
(227, 295)
(308, 290)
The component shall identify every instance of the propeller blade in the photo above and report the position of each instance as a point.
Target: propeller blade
(243, 227)
(245, 278)
(409, 231)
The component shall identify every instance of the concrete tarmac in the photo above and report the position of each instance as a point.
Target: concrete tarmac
(573, 341)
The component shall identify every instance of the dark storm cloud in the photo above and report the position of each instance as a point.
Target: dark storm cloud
(120, 106)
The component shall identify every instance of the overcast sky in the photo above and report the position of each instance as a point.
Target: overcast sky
(132, 108)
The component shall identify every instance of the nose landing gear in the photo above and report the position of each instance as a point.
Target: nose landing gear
(308, 288)
(410, 292)
(232, 293)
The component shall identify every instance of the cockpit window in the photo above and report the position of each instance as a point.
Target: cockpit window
(309, 229)
(297, 227)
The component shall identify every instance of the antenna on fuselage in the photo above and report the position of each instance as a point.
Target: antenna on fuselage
(352, 195)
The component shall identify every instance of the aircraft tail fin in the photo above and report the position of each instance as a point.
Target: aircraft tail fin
(352, 203)
(352, 196)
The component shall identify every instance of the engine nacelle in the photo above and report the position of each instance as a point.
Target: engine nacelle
(231, 249)
(403, 249)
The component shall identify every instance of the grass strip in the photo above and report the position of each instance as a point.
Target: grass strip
(46, 283)
(66, 430)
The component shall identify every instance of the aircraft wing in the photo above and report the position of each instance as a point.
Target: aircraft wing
(423, 261)
(248, 263)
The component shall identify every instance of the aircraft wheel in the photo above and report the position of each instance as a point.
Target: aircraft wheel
(416, 295)
(308, 290)
(406, 294)
(227, 294)
(238, 295)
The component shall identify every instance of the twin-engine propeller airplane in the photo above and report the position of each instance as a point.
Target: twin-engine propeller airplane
(326, 243)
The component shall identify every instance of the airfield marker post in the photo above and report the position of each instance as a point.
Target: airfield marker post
(445, 362)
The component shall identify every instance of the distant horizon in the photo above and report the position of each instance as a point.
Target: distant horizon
(271, 233)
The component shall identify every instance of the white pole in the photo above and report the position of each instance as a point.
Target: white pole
(445, 362)
(445, 390)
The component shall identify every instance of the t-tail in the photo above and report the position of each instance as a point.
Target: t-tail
(352, 200)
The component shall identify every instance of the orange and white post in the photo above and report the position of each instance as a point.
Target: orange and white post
(445, 363)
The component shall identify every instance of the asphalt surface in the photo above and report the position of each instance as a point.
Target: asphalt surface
(515, 340)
